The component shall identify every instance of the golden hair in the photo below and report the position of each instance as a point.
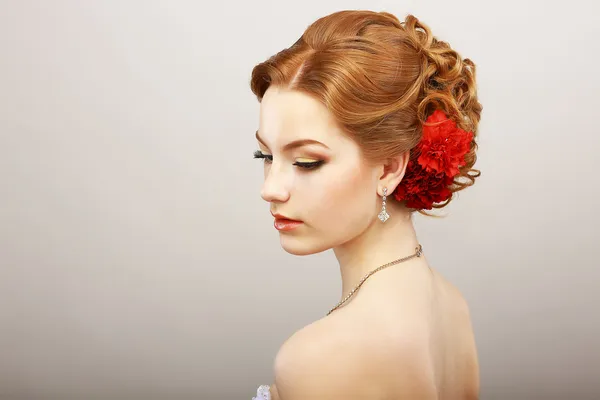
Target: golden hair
(380, 78)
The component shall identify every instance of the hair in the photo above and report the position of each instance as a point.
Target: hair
(380, 78)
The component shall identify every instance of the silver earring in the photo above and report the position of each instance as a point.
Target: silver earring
(383, 215)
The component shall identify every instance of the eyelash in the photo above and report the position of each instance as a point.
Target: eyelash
(309, 165)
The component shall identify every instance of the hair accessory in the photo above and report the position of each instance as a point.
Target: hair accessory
(383, 215)
(434, 163)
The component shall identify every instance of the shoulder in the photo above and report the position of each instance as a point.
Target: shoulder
(451, 298)
(346, 359)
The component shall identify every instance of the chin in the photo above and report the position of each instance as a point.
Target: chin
(299, 246)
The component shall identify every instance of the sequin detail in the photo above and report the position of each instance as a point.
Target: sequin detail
(262, 393)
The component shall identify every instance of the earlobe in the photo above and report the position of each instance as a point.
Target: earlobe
(393, 172)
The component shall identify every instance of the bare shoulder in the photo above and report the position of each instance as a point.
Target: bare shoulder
(344, 358)
(456, 327)
(451, 299)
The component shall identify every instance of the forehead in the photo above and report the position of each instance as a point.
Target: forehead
(289, 115)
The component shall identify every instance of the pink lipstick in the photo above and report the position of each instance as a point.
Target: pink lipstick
(282, 224)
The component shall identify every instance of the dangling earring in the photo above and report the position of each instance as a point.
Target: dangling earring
(383, 215)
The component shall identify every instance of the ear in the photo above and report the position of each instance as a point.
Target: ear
(392, 172)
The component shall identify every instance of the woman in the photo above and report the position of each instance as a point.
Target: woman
(364, 121)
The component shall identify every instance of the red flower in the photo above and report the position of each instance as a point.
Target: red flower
(421, 189)
(443, 146)
(439, 154)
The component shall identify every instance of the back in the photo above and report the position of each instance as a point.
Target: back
(413, 298)
(453, 348)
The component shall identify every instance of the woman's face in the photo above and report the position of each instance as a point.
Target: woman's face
(323, 182)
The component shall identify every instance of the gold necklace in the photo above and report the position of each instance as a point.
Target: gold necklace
(418, 252)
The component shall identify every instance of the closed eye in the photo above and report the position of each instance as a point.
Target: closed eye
(260, 154)
(304, 165)
(309, 165)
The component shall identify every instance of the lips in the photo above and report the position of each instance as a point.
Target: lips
(283, 224)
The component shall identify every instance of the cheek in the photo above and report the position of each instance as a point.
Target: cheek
(346, 201)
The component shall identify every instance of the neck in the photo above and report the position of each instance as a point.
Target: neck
(379, 244)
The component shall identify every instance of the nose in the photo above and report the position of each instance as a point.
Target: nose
(274, 188)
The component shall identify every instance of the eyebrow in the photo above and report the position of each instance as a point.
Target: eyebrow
(295, 144)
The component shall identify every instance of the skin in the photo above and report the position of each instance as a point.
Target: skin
(425, 346)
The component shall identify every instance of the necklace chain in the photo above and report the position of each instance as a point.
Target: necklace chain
(417, 253)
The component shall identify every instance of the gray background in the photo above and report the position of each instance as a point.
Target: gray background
(138, 260)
